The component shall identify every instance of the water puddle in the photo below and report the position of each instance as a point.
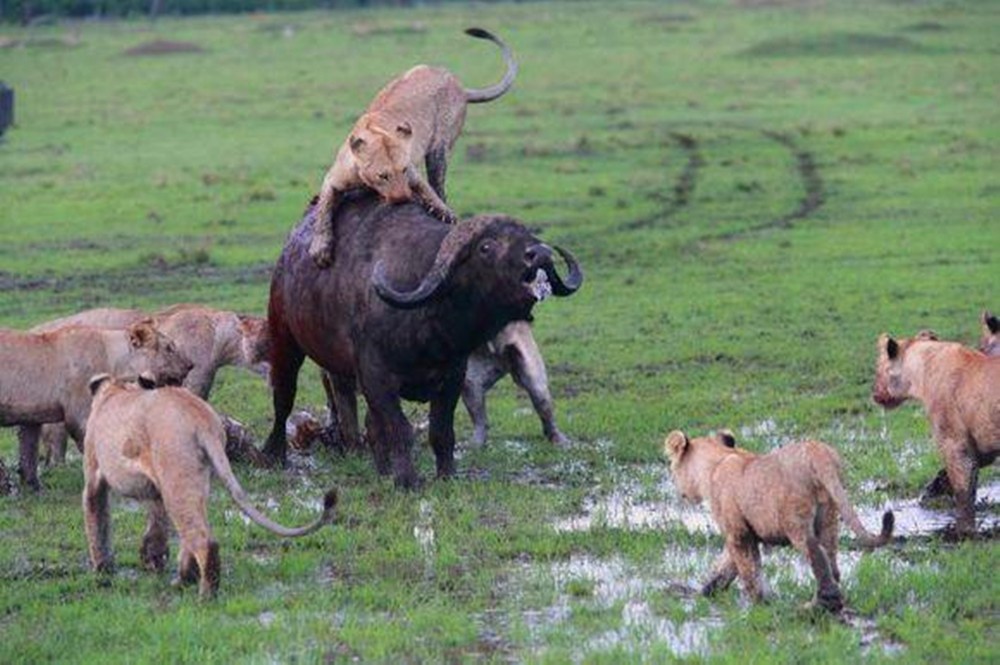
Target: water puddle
(915, 521)
(423, 532)
(643, 498)
(634, 592)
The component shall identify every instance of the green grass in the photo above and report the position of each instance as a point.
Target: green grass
(755, 194)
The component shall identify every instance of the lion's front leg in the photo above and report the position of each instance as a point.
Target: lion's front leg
(745, 554)
(429, 198)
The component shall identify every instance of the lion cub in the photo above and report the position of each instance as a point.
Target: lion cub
(960, 391)
(161, 446)
(792, 495)
(415, 119)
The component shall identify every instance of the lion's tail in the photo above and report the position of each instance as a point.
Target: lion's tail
(214, 449)
(488, 94)
(829, 475)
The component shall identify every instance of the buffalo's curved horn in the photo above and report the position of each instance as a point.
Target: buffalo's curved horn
(447, 254)
(573, 281)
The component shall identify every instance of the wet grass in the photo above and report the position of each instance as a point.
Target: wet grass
(754, 192)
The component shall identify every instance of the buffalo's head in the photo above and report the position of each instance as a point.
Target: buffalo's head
(494, 256)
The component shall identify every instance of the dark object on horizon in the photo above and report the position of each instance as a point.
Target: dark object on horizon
(6, 107)
(407, 300)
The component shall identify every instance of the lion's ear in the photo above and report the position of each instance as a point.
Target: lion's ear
(727, 438)
(928, 336)
(140, 335)
(675, 444)
(97, 381)
(991, 322)
(889, 345)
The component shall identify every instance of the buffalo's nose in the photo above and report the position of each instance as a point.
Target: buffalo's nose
(536, 255)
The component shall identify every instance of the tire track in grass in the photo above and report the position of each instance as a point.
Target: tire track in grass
(683, 188)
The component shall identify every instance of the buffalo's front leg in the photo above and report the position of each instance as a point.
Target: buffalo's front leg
(286, 360)
(442, 427)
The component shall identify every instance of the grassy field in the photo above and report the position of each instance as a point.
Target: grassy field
(755, 193)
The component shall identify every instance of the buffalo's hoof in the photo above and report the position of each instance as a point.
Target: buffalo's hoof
(559, 439)
(268, 458)
(408, 481)
(31, 482)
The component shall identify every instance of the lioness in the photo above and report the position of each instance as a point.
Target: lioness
(210, 338)
(960, 391)
(512, 351)
(415, 119)
(792, 495)
(43, 376)
(161, 446)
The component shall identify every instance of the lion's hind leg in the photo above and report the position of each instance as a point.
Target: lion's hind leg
(828, 593)
(155, 548)
(723, 573)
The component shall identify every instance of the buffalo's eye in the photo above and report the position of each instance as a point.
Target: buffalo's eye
(486, 248)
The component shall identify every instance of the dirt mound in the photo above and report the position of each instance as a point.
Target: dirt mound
(163, 47)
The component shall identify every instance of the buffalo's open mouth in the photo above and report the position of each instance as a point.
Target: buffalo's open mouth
(537, 283)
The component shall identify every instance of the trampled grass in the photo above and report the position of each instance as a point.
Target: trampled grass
(755, 190)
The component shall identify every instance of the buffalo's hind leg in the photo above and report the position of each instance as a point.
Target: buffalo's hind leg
(286, 361)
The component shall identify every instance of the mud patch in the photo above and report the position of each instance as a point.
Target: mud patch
(834, 44)
(162, 47)
(372, 29)
(104, 286)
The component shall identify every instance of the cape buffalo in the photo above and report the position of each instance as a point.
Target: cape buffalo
(407, 300)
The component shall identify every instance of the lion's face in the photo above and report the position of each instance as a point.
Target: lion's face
(890, 388)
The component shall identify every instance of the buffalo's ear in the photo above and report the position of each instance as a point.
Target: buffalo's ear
(140, 335)
(404, 129)
(991, 322)
(727, 438)
(675, 444)
(97, 381)
(356, 142)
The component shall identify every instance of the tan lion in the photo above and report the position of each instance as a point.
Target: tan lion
(414, 120)
(960, 391)
(43, 376)
(161, 446)
(792, 495)
(211, 338)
